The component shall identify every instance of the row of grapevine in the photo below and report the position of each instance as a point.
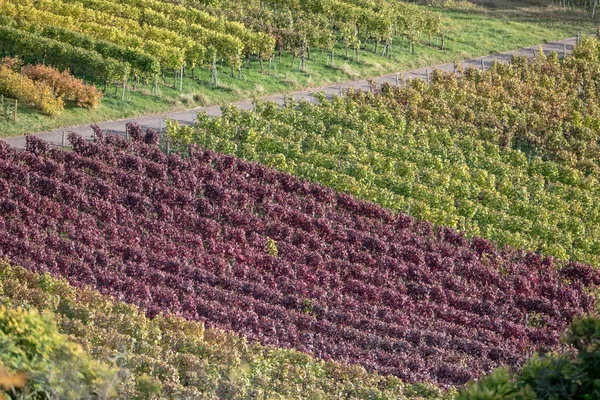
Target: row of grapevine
(153, 36)
(299, 26)
(281, 261)
(141, 64)
(39, 49)
(190, 20)
(183, 358)
(588, 5)
(441, 152)
(377, 20)
(214, 43)
(30, 18)
(191, 51)
(199, 44)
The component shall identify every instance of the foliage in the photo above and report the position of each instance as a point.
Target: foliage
(146, 96)
(55, 367)
(456, 153)
(63, 56)
(65, 85)
(194, 34)
(27, 91)
(272, 249)
(174, 358)
(7, 110)
(10, 381)
(545, 107)
(189, 236)
(141, 63)
(299, 26)
(554, 376)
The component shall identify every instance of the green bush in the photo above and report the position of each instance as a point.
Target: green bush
(55, 368)
(555, 376)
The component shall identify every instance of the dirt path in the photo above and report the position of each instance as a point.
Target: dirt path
(188, 117)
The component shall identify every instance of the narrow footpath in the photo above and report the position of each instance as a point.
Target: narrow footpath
(188, 117)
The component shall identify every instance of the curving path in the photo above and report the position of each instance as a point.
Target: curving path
(188, 117)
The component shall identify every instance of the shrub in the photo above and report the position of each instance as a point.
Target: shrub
(13, 63)
(65, 85)
(54, 367)
(552, 377)
(24, 89)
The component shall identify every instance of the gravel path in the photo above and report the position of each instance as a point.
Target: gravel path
(188, 117)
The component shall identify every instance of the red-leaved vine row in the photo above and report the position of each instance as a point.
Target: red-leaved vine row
(279, 260)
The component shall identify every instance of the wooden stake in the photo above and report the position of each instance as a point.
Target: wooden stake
(16, 109)
(181, 79)
(214, 70)
(482, 64)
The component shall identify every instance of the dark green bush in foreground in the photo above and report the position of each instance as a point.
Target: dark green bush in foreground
(553, 376)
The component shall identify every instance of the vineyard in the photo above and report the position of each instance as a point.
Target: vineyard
(155, 56)
(280, 261)
(147, 39)
(509, 154)
(191, 34)
(183, 359)
(158, 55)
(435, 238)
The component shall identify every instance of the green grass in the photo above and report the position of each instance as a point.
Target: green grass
(471, 31)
